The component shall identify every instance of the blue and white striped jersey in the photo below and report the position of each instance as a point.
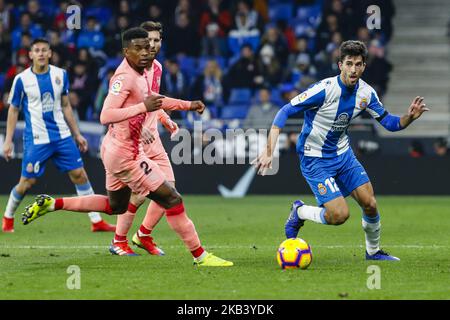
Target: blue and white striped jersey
(329, 107)
(39, 96)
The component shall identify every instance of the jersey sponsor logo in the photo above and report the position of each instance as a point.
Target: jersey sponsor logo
(340, 123)
(322, 189)
(363, 103)
(115, 87)
(47, 102)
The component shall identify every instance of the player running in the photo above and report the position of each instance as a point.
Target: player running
(41, 91)
(154, 151)
(128, 169)
(327, 162)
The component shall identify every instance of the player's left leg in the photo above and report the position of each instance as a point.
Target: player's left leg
(83, 187)
(353, 180)
(365, 197)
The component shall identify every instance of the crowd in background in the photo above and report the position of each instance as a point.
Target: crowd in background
(245, 59)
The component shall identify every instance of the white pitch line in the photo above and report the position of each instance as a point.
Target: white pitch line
(62, 247)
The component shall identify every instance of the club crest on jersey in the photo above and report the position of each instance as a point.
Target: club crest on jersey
(363, 103)
(322, 189)
(29, 167)
(115, 87)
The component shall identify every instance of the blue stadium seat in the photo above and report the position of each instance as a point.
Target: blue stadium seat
(240, 96)
(281, 11)
(102, 14)
(310, 14)
(234, 111)
(188, 65)
(2, 81)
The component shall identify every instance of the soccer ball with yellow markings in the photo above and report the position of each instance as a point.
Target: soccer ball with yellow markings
(294, 253)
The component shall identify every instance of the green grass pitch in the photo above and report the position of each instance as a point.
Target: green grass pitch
(34, 260)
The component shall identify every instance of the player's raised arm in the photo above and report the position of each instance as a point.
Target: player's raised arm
(392, 122)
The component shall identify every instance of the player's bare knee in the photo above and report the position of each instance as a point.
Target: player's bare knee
(78, 176)
(370, 207)
(339, 216)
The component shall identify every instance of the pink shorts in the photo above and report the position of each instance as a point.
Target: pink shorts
(155, 151)
(141, 175)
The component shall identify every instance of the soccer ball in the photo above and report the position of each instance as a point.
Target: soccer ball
(294, 253)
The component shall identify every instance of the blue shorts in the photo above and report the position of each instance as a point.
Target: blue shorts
(330, 178)
(64, 154)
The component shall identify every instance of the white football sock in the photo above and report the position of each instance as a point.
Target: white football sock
(13, 202)
(85, 190)
(372, 228)
(316, 214)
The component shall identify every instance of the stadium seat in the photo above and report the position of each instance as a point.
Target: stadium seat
(102, 14)
(281, 11)
(188, 65)
(240, 96)
(310, 15)
(234, 111)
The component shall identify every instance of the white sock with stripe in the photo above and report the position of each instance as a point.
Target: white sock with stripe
(85, 190)
(372, 228)
(13, 202)
(316, 214)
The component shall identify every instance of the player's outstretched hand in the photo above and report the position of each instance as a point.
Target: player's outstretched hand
(197, 106)
(263, 163)
(7, 150)
(81, 143)
(416, 108)
(153, 102)
(146, 136)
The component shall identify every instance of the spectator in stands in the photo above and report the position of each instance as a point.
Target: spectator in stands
(262, 113)
(113, 40)
(327, 27)
(174, 83)
(212, 43)
(247, 28)
(26, 25)
(208, 86)
(275, 39)
(416, 149)
(244, 72)
(5, 16)
(5, 45)
(440, 147)
(215, 14)
(377, 68)
(83, 84)
(91, 37)
(182, 38)
(102, 92)
(37, 15)
(247, 18)
(269, 66)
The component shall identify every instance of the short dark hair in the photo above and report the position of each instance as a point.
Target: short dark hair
(352, 48)
(39, 40)
(152, 26)
(131, 34)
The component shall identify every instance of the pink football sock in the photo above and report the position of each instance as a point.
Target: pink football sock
(183, 226)
(124, 221)
(154, 213)
(89, 203)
